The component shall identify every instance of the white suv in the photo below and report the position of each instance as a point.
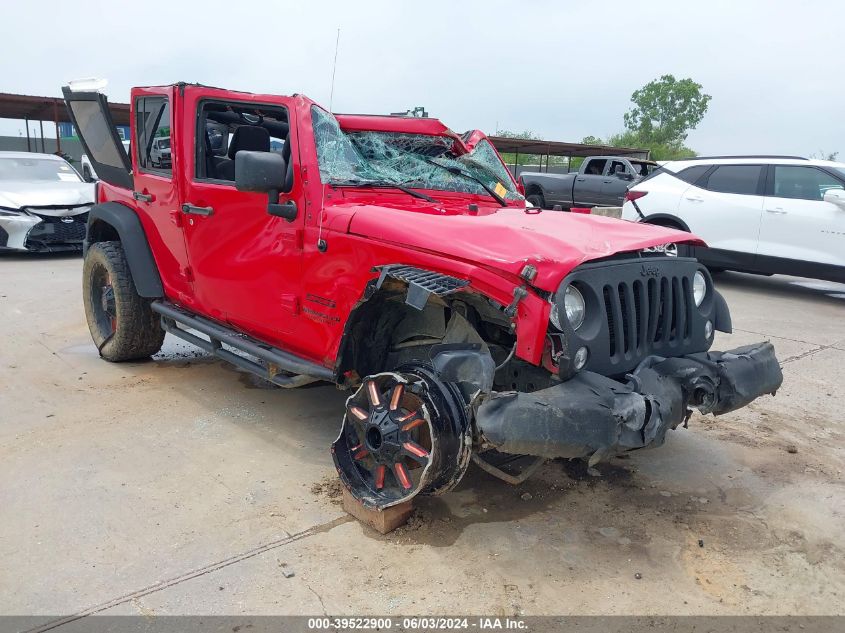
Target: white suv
(760, 214)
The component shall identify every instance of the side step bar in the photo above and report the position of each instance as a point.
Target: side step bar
(276, 360)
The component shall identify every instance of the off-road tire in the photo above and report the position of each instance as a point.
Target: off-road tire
(134, 332)
(537, 200)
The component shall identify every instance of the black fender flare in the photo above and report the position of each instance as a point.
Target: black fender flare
(130, 232)
(655, 218)
(721, 314)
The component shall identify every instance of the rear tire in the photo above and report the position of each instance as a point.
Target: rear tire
(122, 323)
(537, 200)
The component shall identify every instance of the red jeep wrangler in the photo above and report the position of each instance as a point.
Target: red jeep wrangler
(398, 260)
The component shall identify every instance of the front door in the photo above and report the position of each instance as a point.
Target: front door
(246, 264)
(797, 223)
(588, 183)
(613, 187)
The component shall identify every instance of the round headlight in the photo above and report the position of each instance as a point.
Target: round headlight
(573, 304)
(699, 287)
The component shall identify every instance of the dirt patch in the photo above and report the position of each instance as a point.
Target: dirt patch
(328, 487)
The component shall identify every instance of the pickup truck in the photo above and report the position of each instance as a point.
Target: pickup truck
(383, 255)
(600, 182)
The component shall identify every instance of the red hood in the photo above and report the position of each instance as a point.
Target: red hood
(507, 239)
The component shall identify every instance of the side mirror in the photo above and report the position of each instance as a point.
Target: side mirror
(259, 171)
(264, 172)
(835, 196)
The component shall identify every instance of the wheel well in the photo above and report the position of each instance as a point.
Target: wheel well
(532, 190)
(101, 231)
(384, 332)
(668, 221)
(114, 221)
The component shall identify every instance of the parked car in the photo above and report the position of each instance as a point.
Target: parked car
(43, 203)
(89, 174)
(601, 181)
(382, 254)
(160, 152)
(759, 214)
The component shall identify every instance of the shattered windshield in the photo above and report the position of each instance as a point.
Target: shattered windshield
(410, 160)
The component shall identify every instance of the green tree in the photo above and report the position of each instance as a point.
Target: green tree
(657, 151)
(592, 140)
(524, 134)
(665, 110)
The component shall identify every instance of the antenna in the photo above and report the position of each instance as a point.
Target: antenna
(334, 68)
(321, 243)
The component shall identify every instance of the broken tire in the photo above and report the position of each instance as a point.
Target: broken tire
(404, 433)
(122, 323)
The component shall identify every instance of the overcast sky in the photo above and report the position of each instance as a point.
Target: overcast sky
(561, 69)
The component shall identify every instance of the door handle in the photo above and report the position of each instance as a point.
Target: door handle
(580, 179)
(607, 182)
(191, 209)
(778, 210)
(695, 198)
(143, 197)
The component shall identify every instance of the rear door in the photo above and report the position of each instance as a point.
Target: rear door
(589, 181)
(156, 190)
(724, 207)
(90, 115)
(797, 223)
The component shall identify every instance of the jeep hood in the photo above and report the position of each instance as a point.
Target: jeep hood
(505, 240)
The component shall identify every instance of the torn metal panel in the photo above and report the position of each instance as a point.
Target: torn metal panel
(592, 415)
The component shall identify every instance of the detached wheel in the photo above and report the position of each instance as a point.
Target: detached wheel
(122, 323)
(404, 433)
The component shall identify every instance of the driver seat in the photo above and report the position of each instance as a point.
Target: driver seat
(246, 137)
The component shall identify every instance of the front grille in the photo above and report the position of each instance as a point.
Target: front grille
(637, 308)
(56, 230)
(647, 315)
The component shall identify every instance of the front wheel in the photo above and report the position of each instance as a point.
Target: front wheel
(122, 323)
(404, 433)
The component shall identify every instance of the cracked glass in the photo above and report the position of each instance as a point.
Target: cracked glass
(411, 160)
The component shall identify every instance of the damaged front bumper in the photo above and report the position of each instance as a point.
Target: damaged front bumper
(594, 416)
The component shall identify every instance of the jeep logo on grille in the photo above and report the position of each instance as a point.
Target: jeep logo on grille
(67, 219)
(649, 271)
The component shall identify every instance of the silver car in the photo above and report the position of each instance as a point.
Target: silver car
(44, 203)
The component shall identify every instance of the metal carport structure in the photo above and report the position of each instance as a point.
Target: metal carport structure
(517, 146)
(34, 108)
